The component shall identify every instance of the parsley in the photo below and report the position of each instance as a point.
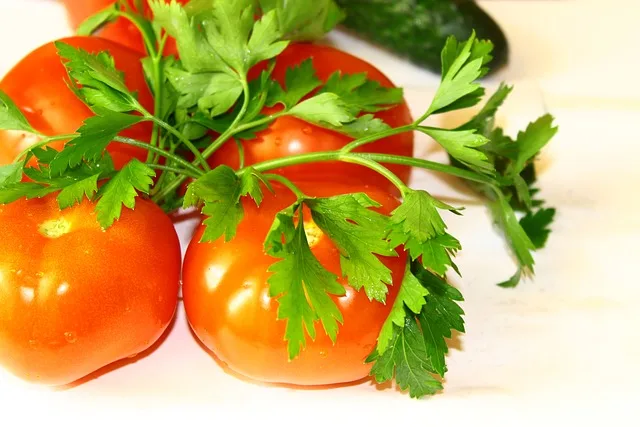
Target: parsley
(11, 118)
(412, 344)
(359, 234)
(300, 283)
(122, 190)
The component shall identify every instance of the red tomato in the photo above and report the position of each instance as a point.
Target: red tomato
(38, 86)
(288, 135)
(121, 31)
(228, 306)
(75, 298)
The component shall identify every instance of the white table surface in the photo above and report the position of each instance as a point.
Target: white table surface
(562, 348)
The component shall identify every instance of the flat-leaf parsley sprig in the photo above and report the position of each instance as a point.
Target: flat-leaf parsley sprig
(204, 98)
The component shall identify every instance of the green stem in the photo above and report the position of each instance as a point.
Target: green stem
(372, 138)
(199, 158)
(179, 160)
(375, 166)
(427, 164)
(287, 183)
(174, 170)
(234, 128)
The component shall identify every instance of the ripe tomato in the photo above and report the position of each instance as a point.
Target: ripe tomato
(75, 298)
(288, 135)
(38, 86)
(121, 31)
(228, 306)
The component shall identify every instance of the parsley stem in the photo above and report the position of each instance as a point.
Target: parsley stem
(430, 165)
(372, 138)
(179, 160)
(287, 183)
(377, 167)
(233, 128)
(174, 170)
(180, 137)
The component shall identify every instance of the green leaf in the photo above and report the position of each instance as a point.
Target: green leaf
(265, 42)
(324, 109)
(11, 118)
(416, 345)
(439, 316)
(30, 190)
(94, 136)
(417, 225)
(463, 146)
(407, 360)
(536, 225)
(301, 284)
(74, 193)
(96, 79)
(304, 20)
(412, 295)
(366, 125)
(483, 121)
(196, 54)
(359, 233)
(122, 190)
(11, 174)
(462, 65)
(436, 253)
(96, 21)
(531, 141)
(361, 94)
(300, 81)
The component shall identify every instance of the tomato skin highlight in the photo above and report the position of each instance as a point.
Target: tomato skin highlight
(228, 306)
(72, 304)
(38, 86)
(289, 135)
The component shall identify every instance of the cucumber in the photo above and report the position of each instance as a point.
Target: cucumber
(417, 29)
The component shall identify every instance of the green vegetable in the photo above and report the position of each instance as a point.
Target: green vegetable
(417, 29)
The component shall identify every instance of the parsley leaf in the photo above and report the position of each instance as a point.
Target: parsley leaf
(300, 283)
(304, 20)
(94, 136)
(74, 193)
(463, 146)
(11, 118)
(300, 80)
(96, 21)
(530, 142)
(415, 348)
(96, 80)
(462, 65)
(536, 225)
(361, 94)
(412, 295)
(11, 173)
(407, 360)
(324, 109)
(121, 190)
(359, 233)
(417, 225)
(220, 190)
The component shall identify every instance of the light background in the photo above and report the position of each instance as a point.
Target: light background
(561, 349)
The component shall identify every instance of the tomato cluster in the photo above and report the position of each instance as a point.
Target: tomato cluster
(74, 298)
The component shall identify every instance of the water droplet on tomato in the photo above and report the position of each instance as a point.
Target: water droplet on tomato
(70, 337)
(323, 354)
(33, 343)
(160, 298)
(277, 141)
(307, 130)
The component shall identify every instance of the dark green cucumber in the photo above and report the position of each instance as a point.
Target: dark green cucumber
(418, 29)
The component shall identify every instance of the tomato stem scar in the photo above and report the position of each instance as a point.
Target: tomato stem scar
(55, 228)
